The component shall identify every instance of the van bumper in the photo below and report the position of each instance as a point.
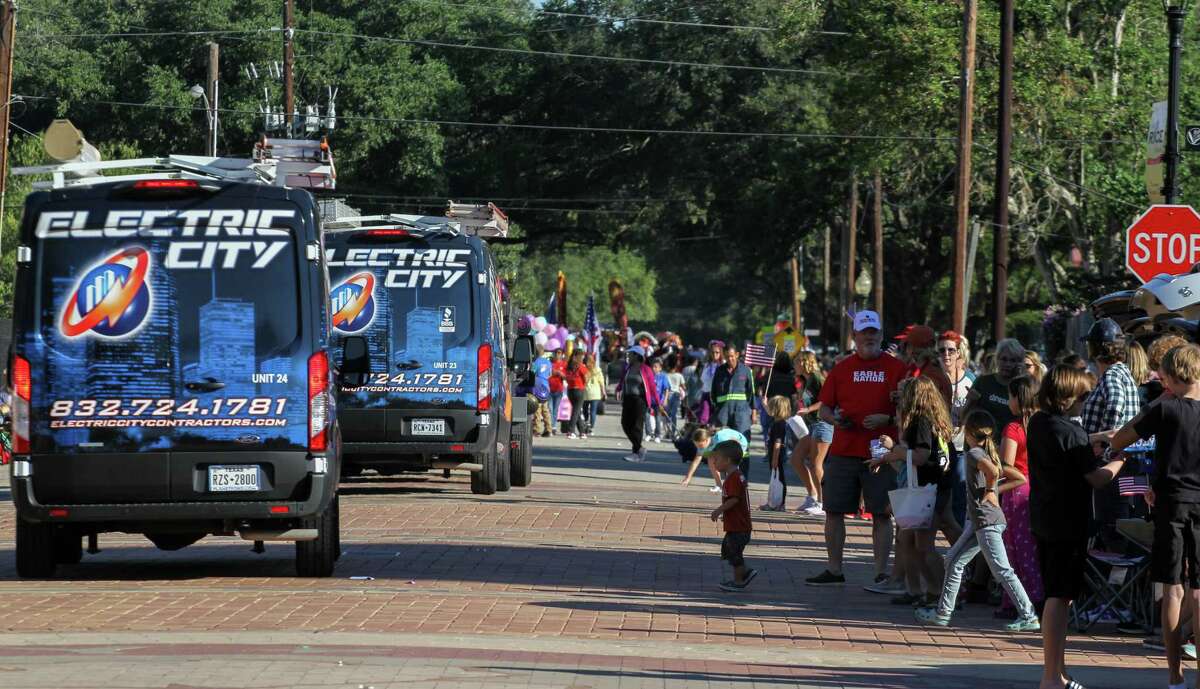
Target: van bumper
(421, 455)
(28, 507)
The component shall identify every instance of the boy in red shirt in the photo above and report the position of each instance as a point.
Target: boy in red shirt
(735, 511)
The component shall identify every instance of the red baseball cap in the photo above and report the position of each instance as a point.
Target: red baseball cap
(918, 337)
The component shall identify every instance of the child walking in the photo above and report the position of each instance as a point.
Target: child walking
(734, 512)
(984, 530)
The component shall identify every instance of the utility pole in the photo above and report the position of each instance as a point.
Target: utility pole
(795, 266)
(1003, 153)
(962, 192)
(1176, 11)
(825, 283)
(877, 299)
(8, 33)
(214, 57)
(288, 61)
(846, 288)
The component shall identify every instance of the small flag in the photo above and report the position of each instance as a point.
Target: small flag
(760, 355)
(1133, 485)
(591, 329)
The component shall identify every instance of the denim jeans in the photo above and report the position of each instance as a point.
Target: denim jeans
(673, 400)
(989, 540)
(555, 400)
(958, 499)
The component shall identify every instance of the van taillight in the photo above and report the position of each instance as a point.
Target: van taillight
(318, 401)
(166, 184)
(22, 384)
(388, 233)
(484, 387)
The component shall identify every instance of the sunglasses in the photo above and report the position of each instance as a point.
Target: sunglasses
(947, 350)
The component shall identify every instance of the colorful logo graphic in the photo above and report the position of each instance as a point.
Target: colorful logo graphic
(112, 298)
(354, 303)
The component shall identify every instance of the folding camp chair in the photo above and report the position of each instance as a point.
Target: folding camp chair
(1119, 585)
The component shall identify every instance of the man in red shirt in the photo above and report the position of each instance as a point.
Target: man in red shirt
(857, 400)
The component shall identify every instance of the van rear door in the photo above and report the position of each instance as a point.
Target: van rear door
(160, 329)
(413, 300)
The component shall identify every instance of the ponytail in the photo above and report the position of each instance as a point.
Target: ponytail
(981, 427)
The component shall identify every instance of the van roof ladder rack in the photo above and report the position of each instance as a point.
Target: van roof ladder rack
(294, 163)
(484, 220)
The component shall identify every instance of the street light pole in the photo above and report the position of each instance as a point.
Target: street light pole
(1176, 11)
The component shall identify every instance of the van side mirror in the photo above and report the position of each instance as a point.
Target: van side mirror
(522, 352)
(356, 362)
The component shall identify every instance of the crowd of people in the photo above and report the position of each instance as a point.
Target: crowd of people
(1017, 460)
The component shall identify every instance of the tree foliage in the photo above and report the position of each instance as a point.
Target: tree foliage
(699, 227)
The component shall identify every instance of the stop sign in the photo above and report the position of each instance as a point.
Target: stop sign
(1165, 239)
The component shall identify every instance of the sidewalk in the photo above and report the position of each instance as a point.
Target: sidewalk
(601, 574)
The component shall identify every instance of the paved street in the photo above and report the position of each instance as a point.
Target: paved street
(601, 574)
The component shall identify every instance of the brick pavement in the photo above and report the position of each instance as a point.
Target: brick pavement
(597, 554)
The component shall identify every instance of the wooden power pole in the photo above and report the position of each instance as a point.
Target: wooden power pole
(795, 266)
(847, 282)
(1003, 152)
(8, 33)
(962, 192)
(214, 58)
(877, 297)
(289, 58)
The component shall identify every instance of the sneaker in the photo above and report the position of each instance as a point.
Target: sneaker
(1029, 625)
(730, 586)
(826, 578)
(632, 457)
(546, 435)
(1189, 651)
(715, 489)
(641, 455)
(734, 586)
(808, 503)
(750, 574)
(931, 616)
(572, 436)
(817, 510)
(884, 585)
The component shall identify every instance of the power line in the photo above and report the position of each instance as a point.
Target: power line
(800, 136)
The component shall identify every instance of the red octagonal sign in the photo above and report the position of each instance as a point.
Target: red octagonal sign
(1166, 239)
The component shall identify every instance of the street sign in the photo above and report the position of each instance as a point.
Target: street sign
(1156, 146)
(1191, 137)
(1165, 239)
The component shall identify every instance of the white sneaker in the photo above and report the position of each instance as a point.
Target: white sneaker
(714, 489)
(632, 457)
(808, 503)
(572, 436)
(817, 510)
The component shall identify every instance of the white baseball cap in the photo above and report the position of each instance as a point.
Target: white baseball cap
(867, 319)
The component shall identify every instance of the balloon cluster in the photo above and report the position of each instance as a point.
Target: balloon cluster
(552, 337)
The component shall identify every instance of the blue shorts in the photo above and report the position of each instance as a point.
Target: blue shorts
(822, 432)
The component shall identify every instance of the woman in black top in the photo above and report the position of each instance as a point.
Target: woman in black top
(927, 433)
(1063, 471)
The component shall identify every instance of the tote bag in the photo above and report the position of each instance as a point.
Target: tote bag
(913, 505)
(775, 491)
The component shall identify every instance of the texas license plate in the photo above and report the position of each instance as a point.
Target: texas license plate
(227, 479)
(428, 427)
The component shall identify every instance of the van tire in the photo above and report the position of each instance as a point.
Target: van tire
(35, 550)
(504, 468)
(316, 558)
(521, 457)
(68, 547)
(484, 482)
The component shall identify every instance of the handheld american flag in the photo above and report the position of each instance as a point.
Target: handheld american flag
(760, 355)
(591, 329)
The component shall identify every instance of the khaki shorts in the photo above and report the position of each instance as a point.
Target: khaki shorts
(849, 478)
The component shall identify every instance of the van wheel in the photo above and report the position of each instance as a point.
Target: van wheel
(504, 469)
(35, 550)
(484, 482)
(316, 558)
(68, 547)
(521, 457)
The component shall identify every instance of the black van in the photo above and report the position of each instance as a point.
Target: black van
(170, 371)
(419, 299)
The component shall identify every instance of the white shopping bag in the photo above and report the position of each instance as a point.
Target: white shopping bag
(913, 506)
(775, 491)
